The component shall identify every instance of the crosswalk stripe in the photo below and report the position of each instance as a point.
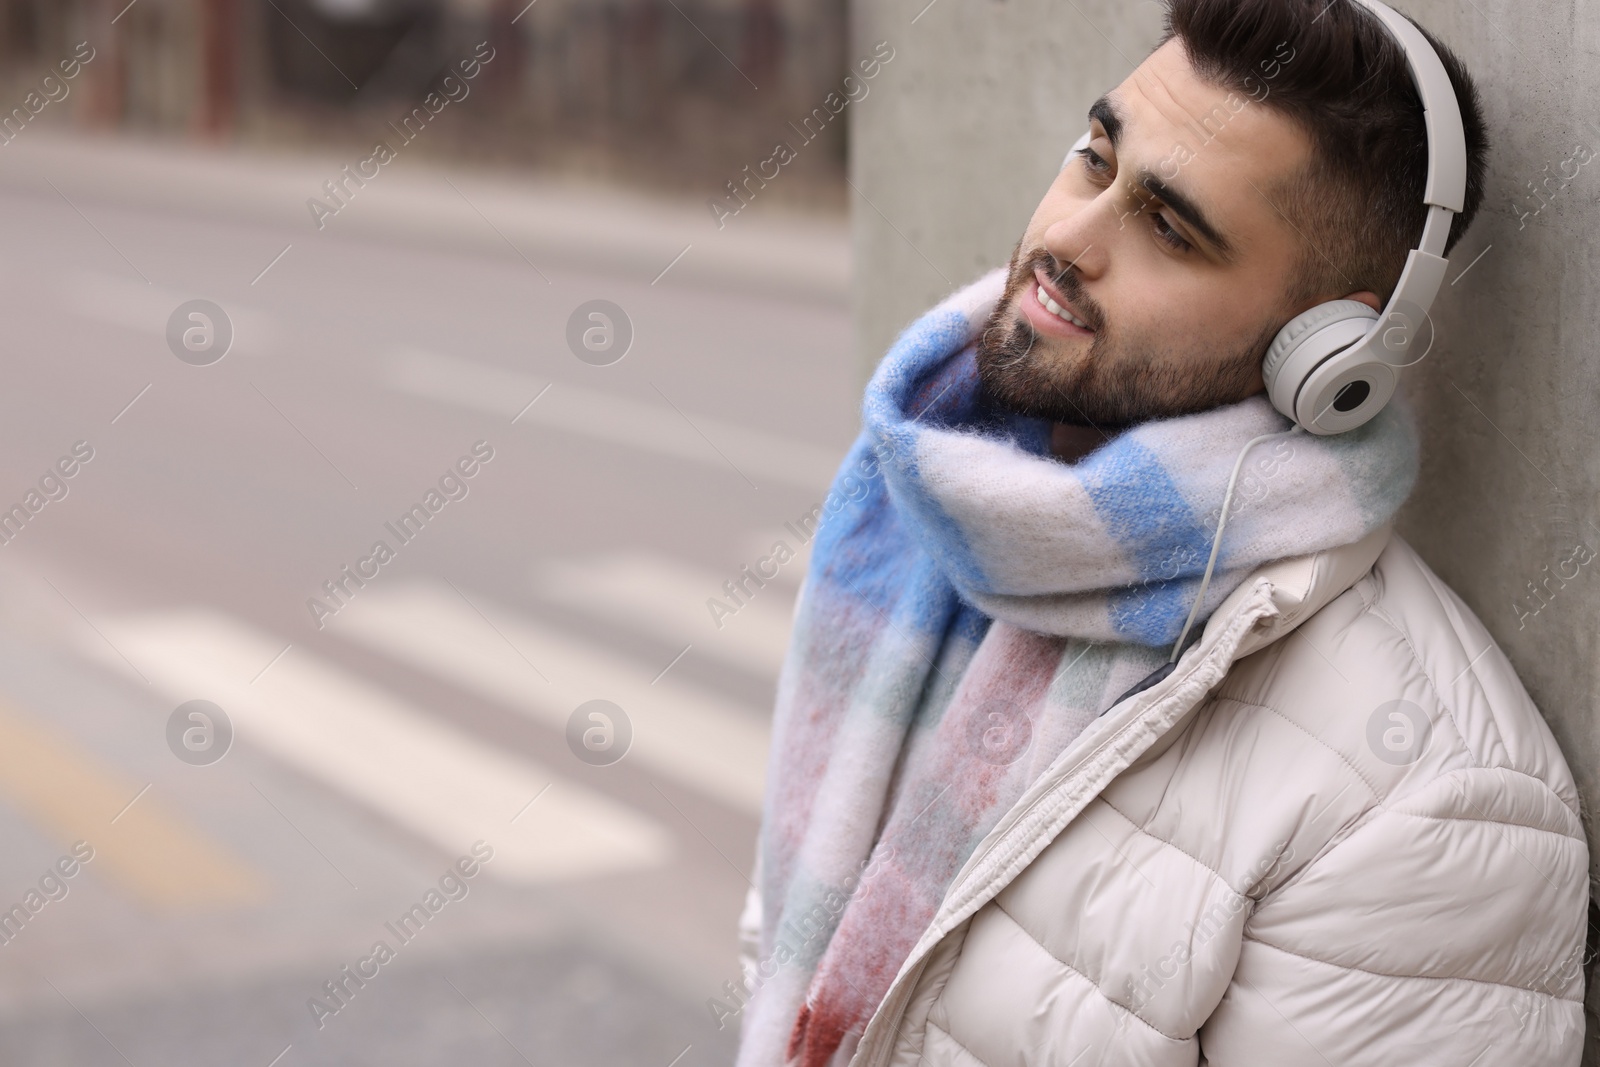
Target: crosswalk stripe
(695, 736)
(615, 419)
(667, 599)
(147, 850)
(427, 776)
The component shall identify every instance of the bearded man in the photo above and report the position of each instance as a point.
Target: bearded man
(1042, 794)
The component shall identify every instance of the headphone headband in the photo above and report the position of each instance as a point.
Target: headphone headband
(1441, 112)
(1389, 340)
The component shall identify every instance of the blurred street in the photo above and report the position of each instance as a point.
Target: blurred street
(421, 333)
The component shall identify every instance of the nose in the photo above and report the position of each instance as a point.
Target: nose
(1077, 240)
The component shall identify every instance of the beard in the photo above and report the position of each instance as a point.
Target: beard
(1109, 380)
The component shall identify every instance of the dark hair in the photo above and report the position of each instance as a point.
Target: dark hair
(1346, 82)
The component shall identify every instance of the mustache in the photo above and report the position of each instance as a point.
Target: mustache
(1065, 278)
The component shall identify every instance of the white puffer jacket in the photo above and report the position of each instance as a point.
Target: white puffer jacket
(1338, 833)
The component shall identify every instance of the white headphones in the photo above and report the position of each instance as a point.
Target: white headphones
(1334, 367)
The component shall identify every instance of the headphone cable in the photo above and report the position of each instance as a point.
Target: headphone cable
(1216, 540)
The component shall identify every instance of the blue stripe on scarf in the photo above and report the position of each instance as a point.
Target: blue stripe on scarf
(1157, 531)
(905, 370)
(915, 378)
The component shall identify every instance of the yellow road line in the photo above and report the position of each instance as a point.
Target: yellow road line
(148, 851)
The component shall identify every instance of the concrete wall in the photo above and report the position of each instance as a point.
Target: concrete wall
(967, 126)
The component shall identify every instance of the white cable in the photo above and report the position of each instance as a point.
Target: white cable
(1216, 540)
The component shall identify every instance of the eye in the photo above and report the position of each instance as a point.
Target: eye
(1166, 234)
(1095, 163)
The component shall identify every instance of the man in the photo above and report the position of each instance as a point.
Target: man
(1003, 827)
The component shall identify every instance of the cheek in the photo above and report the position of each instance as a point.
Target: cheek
(1211, 313)
(1152, 304)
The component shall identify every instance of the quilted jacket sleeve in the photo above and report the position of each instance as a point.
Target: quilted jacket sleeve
(1445, 927)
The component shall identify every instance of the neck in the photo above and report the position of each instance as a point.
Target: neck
(1070, 443)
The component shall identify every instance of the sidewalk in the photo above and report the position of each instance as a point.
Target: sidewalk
(415, 201)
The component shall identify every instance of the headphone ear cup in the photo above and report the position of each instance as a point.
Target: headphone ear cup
(1346, 391)
(1306, 342)
(1077, 146)
(1299, 328)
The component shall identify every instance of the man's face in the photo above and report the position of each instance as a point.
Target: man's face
(1169, 267)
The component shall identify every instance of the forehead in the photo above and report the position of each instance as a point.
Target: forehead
(1223, 148)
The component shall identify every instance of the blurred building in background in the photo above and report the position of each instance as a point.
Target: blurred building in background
(671, 94)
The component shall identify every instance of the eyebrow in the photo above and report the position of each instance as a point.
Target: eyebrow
(1105, 112)
(1185, 209)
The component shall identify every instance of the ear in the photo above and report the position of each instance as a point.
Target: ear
(1368, 298)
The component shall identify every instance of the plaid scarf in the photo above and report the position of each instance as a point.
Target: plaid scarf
(972, 604)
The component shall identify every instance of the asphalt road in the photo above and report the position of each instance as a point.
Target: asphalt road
(552, 529)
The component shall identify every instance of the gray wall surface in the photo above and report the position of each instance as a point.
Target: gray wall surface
(966, 127)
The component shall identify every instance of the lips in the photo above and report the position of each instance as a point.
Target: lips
(1048, 309)
(1058, 310)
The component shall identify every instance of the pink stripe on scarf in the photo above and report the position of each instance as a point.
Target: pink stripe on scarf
(956, 780)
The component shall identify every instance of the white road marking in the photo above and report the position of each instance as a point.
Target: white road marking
(425, 775)
(666, 599)
(123, 302)
(696, 737)
(613, 418)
